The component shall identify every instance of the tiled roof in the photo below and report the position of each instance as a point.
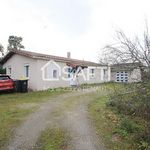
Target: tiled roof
(40, 56)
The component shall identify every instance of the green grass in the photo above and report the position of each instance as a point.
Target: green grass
(11, 113)
(53, 139)
(106, 123)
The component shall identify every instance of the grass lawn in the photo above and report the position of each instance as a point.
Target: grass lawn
(15, 106)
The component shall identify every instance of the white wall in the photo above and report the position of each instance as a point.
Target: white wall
(36, 82)
(42, 85)
(133, 75)
(63, 83)
(17, 63)
(96, 78)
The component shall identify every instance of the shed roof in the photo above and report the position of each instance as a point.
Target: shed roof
(125, 66)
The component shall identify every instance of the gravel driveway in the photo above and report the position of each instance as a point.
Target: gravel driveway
(72, 108)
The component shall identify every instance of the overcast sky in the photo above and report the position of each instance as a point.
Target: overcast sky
(82, 27)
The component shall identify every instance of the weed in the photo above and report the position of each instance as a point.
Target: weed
(53, 139)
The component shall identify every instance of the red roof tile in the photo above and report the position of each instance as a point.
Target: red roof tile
(35, 55)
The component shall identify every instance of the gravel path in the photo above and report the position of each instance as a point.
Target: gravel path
(74, 120)
(81, 131)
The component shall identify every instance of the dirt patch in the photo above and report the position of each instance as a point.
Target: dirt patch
(116, 138)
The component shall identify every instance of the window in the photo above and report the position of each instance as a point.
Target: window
(26, 70)
(105, 70)
(9, 71)
(93, 72)
(122, 76)
(69, 72)
(55, 74)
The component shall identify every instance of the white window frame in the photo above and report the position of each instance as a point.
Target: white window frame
(92, 72)
(27, 73)
(122, 76)
(69, 72)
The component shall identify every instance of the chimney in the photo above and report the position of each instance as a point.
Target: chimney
(68, 55)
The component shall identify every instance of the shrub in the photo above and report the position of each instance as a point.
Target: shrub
(128, 126)
(136, 103)
(2, 71)
(143, 135)
(144, 145)
(121, 132)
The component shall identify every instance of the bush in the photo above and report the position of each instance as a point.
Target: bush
(128, 126)
(135, 103)
(2, 71)
(144, 145)
(143, 139)
(143, 135)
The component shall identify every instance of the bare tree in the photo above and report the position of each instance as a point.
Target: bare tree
(129, 51)
(125, 50)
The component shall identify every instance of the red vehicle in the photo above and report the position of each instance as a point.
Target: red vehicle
(6, 83)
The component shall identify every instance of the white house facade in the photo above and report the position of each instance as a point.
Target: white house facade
(47, 71)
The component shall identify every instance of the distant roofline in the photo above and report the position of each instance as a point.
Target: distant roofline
(124, 64)
(35, 55)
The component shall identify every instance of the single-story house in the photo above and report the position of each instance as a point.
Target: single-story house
(48, 71)
(126, 72)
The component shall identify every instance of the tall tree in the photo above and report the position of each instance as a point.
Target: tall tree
(1, 49)
(14, 42)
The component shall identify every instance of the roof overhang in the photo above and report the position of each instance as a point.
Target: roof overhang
(75, 65)
(6, 57)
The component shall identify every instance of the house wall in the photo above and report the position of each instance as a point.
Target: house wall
(88, 77)
(45, 84)
(134, 75)
(17, 63)
(36, 82)
(98, 76)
